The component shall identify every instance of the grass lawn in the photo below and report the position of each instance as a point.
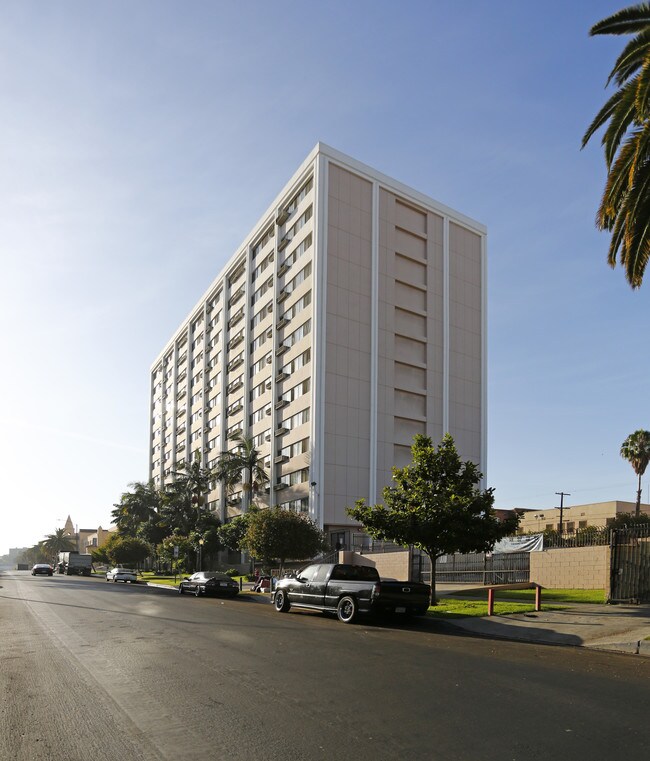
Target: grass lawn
(596, 596)
(449, 607)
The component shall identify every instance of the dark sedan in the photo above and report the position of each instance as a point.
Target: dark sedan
(42, 568)
(209, 583)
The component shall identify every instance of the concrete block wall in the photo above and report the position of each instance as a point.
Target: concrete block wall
(391, 565)
(571, 568)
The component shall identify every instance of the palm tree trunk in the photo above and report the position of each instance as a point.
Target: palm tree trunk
(637, 511)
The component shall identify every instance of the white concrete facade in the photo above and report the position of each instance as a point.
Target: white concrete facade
(351, 318)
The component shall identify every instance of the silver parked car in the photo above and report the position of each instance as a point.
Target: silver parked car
(122, 574)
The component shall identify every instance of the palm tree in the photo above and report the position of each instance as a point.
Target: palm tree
(137, 508)
(243, 465)
(185, 499)
(58, 542)
(625, 205)
(636, 450)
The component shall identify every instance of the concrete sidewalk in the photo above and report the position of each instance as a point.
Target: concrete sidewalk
(622, 628)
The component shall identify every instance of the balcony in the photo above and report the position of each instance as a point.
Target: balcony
(281, 431)
(281, 350)
(281, 376)
(281, 458)
(284, 242)
(281, 403)
(284, 294)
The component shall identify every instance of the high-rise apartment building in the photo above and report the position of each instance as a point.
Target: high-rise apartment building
(350, 319)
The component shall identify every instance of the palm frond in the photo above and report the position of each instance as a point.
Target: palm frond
(631, 59)
(626, 21)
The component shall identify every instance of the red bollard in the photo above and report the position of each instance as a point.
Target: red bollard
(490, 602)
(538, 598)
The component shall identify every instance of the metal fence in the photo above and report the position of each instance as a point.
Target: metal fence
(473, 568)
(630, 565)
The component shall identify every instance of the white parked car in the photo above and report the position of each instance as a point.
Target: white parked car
(121, 574)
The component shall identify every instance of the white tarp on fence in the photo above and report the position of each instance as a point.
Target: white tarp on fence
(533, 543)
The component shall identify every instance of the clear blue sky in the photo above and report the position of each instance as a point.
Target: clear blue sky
(139, 142)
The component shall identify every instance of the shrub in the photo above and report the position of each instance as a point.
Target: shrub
(232, 572)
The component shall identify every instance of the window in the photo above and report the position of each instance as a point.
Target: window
(257, 415)
(300, 278)
(214, 381)
(266, 238)
(297, 335)
(260, 439)
(298, 306)
(295, 478)
(300, 361)
(259, 292)
(262, 314)
(295, 420)
(196, 416)
(214, 421)
(261, 363)
(299, 447)
(261, 339)
(293, 257)
(196, 435)
(258, 390)
(296, 505)
(300, 196)
(297, 391)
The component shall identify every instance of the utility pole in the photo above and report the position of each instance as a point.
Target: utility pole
(562, 495)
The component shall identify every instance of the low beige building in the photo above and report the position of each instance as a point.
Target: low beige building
(575, 517)
(86, 539)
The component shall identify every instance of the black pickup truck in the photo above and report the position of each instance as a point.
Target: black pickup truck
(349, 590)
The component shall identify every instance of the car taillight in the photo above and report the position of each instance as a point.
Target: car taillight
(376, 589)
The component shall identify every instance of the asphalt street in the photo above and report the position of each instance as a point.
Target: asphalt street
(124, 672)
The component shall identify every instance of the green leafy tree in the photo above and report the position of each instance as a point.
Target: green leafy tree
(280, 535)
(636, 450)
(100, 555)
(232, 533)
(625, 205)
(243, 466)
(436, 505)
(127, 550)
(627, 520)
(57, 542)
(186, 551)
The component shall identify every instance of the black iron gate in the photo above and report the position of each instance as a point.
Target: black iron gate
(630, 564)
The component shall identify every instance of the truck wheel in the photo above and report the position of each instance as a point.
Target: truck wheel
(347, 609)
(282, 603)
